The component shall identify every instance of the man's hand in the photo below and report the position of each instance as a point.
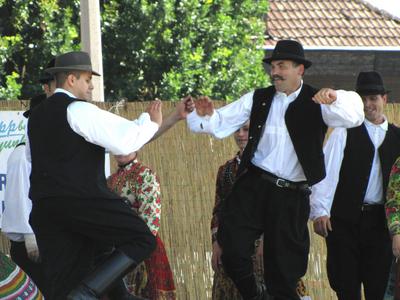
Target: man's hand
(204, 106)
(260, 256)
(31, 247)
(184, 107)
(396, 245)
(322, 225)
(154, 111)
(216, 256)
(325, 96)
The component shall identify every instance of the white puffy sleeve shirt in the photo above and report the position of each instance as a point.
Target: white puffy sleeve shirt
(118, 135)
(16, 201)
(275, 151)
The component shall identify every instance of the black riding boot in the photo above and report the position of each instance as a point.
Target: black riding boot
(120, 292)
(105, 275)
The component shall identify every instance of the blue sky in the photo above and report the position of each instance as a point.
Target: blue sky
(391, 6)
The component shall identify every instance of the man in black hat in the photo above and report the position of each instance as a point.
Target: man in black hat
(282, 159)
(348, 205)
(48, 81)
(15, 221)
(73, 210)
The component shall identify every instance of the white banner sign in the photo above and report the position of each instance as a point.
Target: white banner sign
(12, 132)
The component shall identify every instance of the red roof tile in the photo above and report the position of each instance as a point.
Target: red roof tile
(336, 23)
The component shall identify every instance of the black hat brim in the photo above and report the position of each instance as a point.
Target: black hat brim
(295, 58)
(83, 68)
(35, 101)
(27, 113)
(372, 91)
(46, 79)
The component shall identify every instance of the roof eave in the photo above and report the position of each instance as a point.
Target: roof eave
(344, 48)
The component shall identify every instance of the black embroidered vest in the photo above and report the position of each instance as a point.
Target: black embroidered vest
(64, 164)
(305, 125)
(356, 168)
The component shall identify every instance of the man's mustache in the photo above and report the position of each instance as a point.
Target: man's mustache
(277, 77)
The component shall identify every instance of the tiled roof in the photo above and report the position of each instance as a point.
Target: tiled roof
(331, 23)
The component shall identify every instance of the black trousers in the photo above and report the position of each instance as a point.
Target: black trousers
(70, 230)
(359, 253)
(256, 206)
(34, 270)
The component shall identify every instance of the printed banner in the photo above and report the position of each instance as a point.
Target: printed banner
(12, 132)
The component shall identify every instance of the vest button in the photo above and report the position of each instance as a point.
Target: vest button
(259, 126)
(250, 137)
(263, 104)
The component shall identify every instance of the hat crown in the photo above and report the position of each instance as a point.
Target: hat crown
(74, 58)
(370, 83)
(288, 50)
(72, 61)
(289, 47)
(369, 78)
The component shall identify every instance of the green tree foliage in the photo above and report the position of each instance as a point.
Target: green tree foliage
(171, 48)
(165, 49)
(32, 32)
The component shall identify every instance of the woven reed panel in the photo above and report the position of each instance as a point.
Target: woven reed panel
(187, 165)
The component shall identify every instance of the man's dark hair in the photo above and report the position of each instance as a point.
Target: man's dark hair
(61, 77)
(296, 64)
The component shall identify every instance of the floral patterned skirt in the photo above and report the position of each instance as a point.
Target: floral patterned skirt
(153, 278)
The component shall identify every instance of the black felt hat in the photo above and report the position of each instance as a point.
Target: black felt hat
(288, 50)
(72, 61)
(35, 101)
(46, 77)
(370, 83)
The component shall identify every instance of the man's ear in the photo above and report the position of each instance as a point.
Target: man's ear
(385, 98)
(71, 79)
(301, 70)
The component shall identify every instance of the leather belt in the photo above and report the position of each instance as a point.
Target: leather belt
(280, 182)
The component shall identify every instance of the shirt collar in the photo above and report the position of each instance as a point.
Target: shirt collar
(383, 126)
(291, 96)
(60, 90)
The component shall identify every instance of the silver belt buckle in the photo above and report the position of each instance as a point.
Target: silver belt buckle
(280, 183)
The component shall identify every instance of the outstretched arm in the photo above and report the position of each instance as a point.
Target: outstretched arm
(182, 109)
(340, 108)
(220, 122)
(114, 133)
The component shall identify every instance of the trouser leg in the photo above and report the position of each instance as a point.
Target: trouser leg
(255, 206)
(68, 229)
(286, 242)
(376, 253)
(240, 225)
(343, 260)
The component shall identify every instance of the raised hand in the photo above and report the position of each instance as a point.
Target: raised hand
(325, 96)
(204, 106)
(184, 107)
(154, 110)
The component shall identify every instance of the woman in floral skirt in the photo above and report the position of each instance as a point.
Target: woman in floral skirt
(152, 279)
